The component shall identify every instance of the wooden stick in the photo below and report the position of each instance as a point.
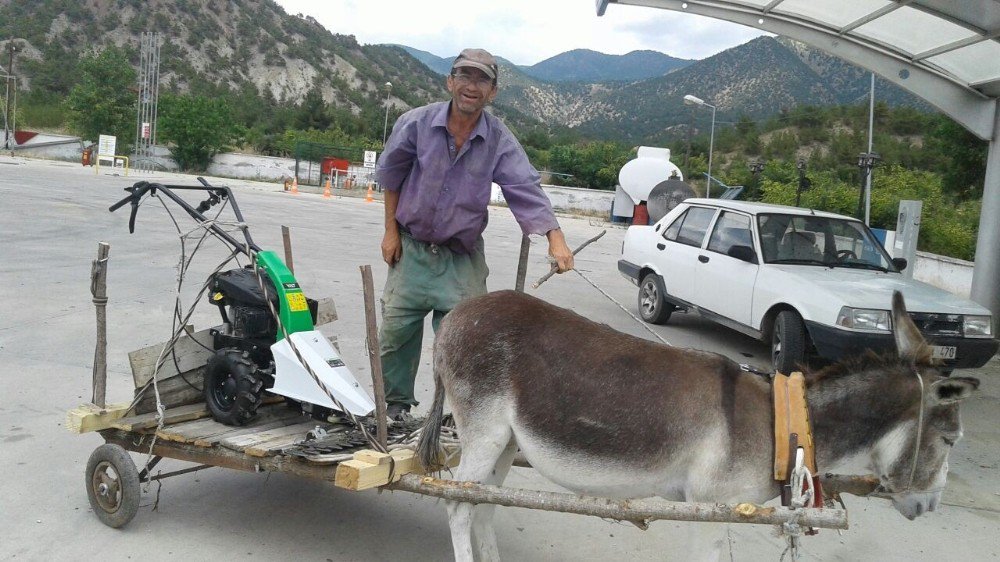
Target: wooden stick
(522, 264)
(555, 267)
(638, 511)
(286, 238)
(381, 433)
(99, 291)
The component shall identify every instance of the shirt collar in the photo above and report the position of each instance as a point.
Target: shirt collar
(441, 120)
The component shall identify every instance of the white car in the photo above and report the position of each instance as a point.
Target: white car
(810, 282)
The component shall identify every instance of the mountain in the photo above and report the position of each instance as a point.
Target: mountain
(254, 49)
(584, 65)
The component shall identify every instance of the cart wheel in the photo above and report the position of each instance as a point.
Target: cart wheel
(112, 485)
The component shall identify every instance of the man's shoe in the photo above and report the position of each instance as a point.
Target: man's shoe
(398, 412)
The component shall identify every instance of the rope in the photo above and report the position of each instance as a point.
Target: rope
(641, 323)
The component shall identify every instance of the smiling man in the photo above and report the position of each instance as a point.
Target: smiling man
(437, 169)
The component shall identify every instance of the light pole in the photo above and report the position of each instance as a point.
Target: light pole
(692, 100)
(385, 126)
(866, 161)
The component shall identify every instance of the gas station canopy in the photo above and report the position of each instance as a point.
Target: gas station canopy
(946, 52)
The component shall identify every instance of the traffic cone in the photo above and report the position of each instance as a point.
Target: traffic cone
(326, 189)
(295, 186)
(368, 197)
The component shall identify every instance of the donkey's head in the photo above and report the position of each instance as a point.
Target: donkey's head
(911, 461)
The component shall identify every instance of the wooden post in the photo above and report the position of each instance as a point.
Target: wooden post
(286, 238)
(522, 264)
(99, 291)
(374, 358)
(638, 511)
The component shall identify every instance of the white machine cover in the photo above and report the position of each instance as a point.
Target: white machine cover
(291, 379)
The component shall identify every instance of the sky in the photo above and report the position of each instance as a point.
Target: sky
(523, 31)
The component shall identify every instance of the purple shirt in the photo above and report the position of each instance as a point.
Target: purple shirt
(443, 195)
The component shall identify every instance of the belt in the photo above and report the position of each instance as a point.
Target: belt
(453, 244)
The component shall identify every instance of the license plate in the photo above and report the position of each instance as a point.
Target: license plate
(297, 302)
(943, 351)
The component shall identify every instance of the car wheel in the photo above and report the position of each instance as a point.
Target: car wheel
(653, 307)
(788, 342)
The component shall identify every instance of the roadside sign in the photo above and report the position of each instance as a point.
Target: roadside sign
(106, 144)
(145, 130)
(369, 159)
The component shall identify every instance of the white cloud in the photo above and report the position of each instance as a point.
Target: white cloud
(523, 31)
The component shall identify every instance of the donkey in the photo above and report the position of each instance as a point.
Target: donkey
(604, 413)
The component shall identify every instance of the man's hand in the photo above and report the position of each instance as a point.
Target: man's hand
(559, 251)
(392, 247)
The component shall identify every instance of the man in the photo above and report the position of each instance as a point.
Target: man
(437, 169)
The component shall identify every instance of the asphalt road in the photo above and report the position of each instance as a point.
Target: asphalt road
(52, 215)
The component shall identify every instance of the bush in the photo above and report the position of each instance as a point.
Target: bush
(199, 128)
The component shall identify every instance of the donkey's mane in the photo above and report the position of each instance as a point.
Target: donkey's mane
(865, 366)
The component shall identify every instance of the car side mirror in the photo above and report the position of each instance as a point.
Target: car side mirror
(900, 263)
(744, 253)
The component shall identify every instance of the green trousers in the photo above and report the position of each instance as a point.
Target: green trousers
(427, 279)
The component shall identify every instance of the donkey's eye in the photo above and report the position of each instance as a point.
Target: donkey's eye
(949, 442)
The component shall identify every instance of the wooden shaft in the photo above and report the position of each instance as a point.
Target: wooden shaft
(286, 238)
(522, 264)
(381, 434)
(639, 511)
(99, 291)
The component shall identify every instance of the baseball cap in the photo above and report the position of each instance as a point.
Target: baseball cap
(477, 58)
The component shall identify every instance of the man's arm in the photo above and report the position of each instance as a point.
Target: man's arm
(392, 246)
(559, 250)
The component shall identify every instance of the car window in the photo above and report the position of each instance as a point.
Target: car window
(820, 240)
(690, 227)
(730, 230)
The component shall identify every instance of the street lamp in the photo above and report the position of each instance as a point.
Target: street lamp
(385, 126)
(866, 161)
(692, 100)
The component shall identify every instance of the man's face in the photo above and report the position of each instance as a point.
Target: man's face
(471, 89)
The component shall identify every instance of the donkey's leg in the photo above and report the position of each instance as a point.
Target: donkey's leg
(483, 443)
(483, 533)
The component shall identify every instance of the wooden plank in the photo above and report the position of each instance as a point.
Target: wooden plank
(174, 391)
(148, 421)
(216, 439)
(190, 355)
(90, 417)
(242, 442)
(274, 446)
(358, 474)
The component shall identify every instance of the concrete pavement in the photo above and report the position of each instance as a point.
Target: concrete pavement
(53, 214)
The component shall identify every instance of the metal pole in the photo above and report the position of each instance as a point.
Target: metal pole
(986, 274)
(6, 100)
(385, 126)
(868, 176)
(711, 145)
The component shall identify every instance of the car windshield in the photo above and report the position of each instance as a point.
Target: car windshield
(817, 240)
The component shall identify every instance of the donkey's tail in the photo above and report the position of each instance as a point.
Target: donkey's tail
(428, 448)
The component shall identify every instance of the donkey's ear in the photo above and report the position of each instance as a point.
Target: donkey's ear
(952, 390)
(910, 343)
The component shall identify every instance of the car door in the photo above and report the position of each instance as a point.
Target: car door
(678, 251)
(724, 283)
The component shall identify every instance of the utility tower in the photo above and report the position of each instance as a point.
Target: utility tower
(149, 95)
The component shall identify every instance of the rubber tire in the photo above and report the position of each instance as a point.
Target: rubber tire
(788, 342)
(653, 307)
(119, 511)
(245, 398)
